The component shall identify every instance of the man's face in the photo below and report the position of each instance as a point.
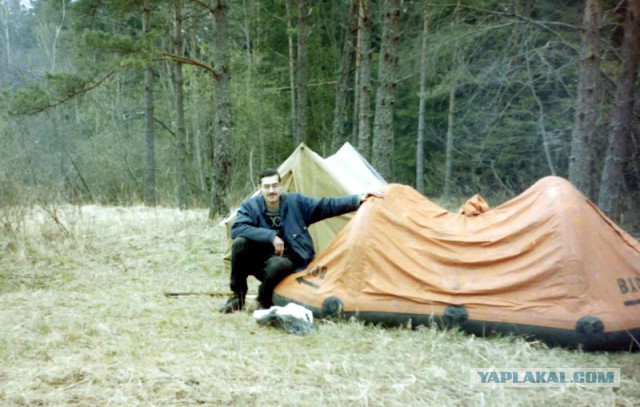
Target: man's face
(270, 189)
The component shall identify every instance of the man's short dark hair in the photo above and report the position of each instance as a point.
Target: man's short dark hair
(268, 172)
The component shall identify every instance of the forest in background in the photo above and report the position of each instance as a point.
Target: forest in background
(182, 102)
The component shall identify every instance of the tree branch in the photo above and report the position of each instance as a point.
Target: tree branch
(205, 5)
(71, 95)
(165, 126)
(309, 85)
(542, 24)
(165, 56)
(141, 115)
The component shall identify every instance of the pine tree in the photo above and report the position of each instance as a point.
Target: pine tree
(386, 92)
(612, 182)
(364, 78)
(222, 128)
(584, 128)
(301, 130)
(181, 159)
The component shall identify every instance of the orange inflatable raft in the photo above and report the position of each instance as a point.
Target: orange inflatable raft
(547, 265)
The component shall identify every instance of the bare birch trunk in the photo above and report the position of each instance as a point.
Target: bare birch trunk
(54, 46)
(449, 151)
(541, 121)
(421, 108)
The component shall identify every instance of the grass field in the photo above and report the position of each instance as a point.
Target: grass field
(84, 322)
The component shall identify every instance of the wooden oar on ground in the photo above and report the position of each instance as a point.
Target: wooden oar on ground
(202, 293)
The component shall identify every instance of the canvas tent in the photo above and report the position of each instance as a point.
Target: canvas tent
(547, 264)
(345, 172)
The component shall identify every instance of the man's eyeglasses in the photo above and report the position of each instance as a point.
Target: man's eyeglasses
(267, 187)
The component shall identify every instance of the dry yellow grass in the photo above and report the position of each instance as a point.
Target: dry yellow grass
(85, 322)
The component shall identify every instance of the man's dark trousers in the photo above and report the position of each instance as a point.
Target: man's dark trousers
(258, 259)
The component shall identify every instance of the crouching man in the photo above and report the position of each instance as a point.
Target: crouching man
(271, 236)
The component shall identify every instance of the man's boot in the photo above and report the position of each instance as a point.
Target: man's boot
(233, 304)
(263, 303)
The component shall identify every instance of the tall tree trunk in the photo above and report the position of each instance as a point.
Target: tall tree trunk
(339, 135)
(582, 137)
(620, 126)
(364, 79)
(541, 118)
(7, 35)
(253, 49)
(198, 155)
(222, 121)
(150, 184)
(448, 163)
(302, 65)
(356, 82)
(386, 93)
(210, 139)
(54, 46)
(292, 70)
(449, 151)
(181, 152)
(421, 108)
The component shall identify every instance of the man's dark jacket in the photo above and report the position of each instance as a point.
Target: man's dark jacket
(297, 212)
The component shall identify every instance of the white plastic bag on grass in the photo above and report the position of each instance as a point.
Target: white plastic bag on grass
(294, 318)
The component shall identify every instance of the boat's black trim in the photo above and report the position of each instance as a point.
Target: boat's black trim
(589, 333)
